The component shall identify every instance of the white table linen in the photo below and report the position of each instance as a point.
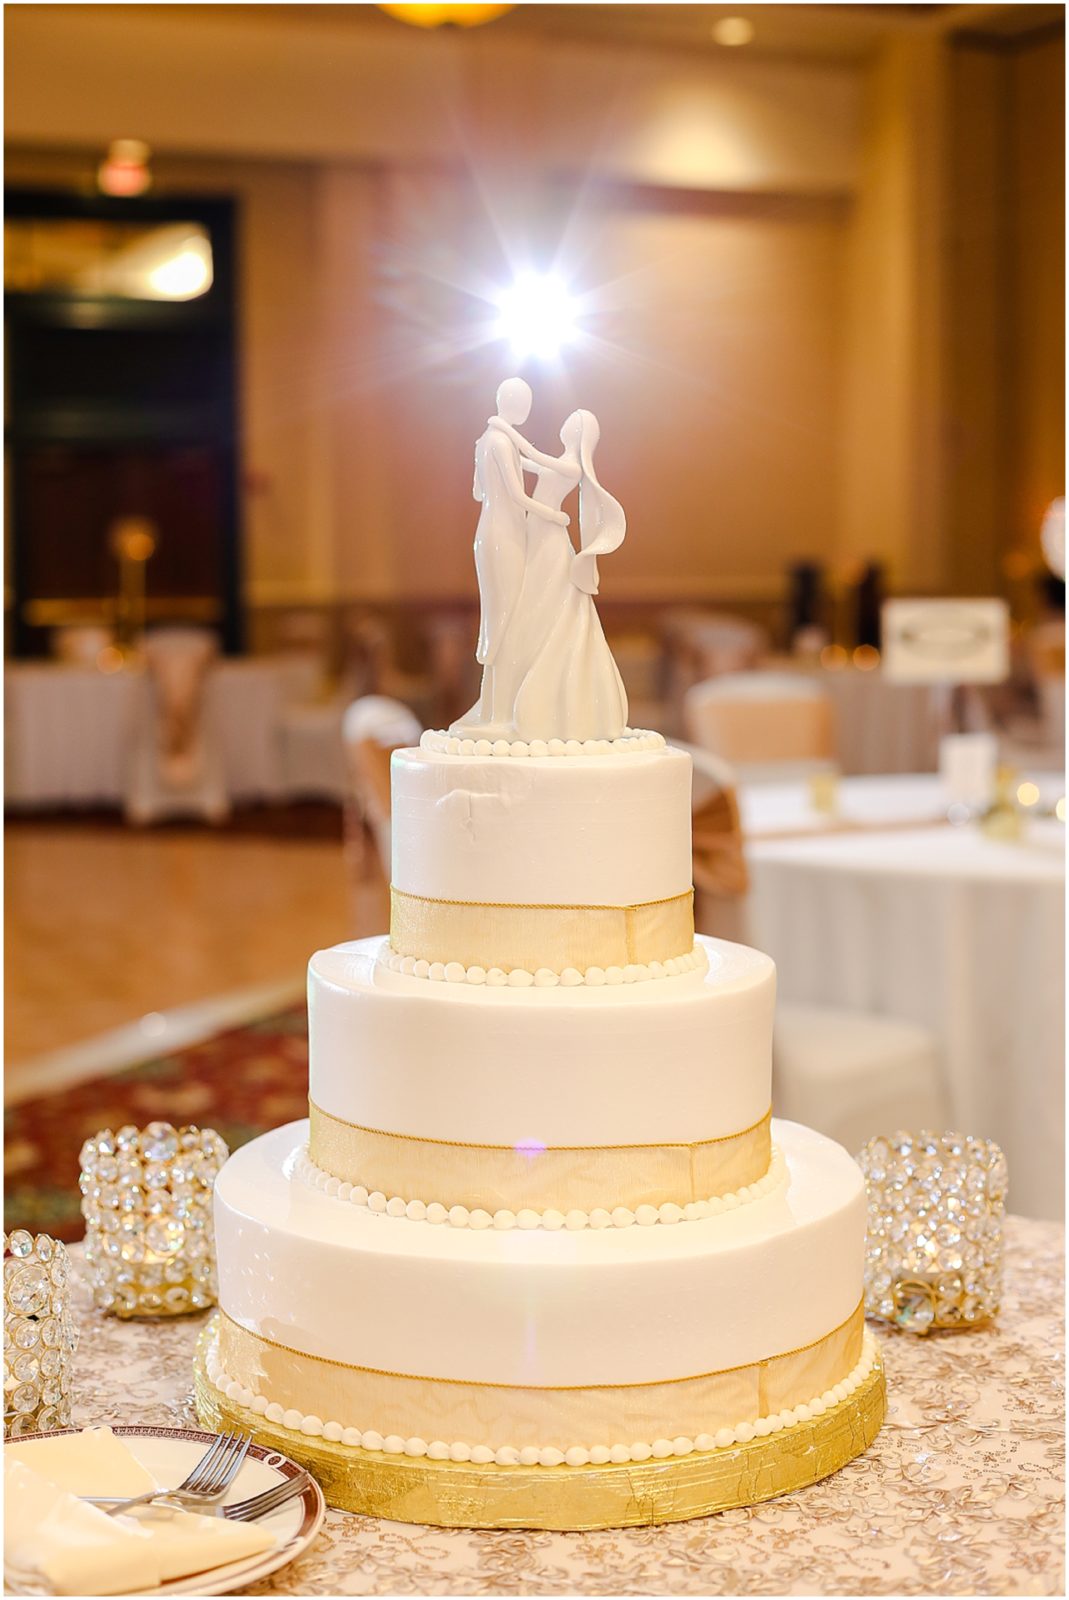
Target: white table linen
(68, 732)
(936, 925)
(960, 1494)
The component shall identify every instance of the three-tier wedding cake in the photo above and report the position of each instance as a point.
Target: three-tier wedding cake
(539, 1257)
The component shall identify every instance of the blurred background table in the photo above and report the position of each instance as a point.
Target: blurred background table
(959, 1495)
(880, 726)
(874, 911)
(68, 731)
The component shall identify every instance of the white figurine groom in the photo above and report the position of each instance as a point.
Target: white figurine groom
(501, 556)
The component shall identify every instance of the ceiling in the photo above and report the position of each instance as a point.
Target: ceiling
(829, 32)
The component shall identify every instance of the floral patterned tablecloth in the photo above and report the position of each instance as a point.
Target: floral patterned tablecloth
(960, 1495)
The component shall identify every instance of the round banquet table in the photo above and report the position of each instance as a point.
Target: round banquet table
(68, 729)
(961, 1494)
(883, 909)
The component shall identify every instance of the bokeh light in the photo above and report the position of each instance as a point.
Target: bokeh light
(733, 31)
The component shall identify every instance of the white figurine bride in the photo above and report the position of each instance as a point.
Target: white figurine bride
(553, 666)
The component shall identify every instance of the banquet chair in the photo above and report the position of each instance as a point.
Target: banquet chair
(176, 757)
(372, 729)
(847, 1074)
(770, 726)
(721, 881)
(706, 644)
(851, 1075)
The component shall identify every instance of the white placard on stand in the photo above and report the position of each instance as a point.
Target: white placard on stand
(945, 641)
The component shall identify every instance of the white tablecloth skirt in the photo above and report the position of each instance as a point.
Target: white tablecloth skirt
(68, 734)
(950, 929)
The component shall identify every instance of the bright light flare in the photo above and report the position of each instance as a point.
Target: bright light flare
(186, 274)
(536, 316)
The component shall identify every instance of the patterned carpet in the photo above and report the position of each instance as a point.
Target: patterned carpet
(241, 1083)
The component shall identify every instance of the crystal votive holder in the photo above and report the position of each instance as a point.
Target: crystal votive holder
(147, 1204)
(40, 1336)
(936, 1204)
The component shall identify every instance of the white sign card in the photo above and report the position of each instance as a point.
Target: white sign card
(945, 641)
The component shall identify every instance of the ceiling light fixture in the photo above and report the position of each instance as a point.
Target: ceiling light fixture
(437, 16)
(124, 170)
(733, 31)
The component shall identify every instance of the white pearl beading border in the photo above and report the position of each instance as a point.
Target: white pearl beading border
(532, 1455)
(375, 1200)
(633, 741)
(544, 978)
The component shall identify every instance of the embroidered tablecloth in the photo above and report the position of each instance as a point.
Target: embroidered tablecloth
(962, 1493)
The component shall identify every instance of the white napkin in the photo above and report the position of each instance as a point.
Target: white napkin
(55, 1539)
(94, 1461)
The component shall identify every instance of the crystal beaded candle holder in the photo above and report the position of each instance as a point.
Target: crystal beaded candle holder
(147, 1204)
(39, 1334)
(936, 1204)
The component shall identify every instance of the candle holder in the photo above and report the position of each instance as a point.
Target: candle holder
(824, 792)
(40, 1336)
(147, 1204)
(936, 1204)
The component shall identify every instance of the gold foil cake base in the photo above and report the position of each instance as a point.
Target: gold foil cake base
(449, 1494)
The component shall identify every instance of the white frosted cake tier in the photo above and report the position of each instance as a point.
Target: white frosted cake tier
(588, 831)
(555, 1340)
(588, 1097)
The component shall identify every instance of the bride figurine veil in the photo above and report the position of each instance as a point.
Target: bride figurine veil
(602, 523)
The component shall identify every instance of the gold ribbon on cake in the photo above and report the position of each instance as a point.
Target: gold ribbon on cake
(536, 1177)
(530, 936)
(556, 1416)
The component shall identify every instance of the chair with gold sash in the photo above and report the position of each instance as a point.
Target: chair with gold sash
(768, 725)
(702, 644)
(176, 765)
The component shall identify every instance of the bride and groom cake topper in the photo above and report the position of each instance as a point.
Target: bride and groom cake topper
(548, 672)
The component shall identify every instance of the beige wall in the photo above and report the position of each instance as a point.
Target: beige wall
(193, 81)
(768, 358)
(1037, 273)
(892, 481)
(1004, 332)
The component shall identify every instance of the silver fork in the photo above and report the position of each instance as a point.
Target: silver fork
(204, 1487)
(261, 1505)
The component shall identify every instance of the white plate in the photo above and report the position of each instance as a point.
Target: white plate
(170, 1453)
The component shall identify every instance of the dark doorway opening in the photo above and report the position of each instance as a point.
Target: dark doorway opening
(121, 408)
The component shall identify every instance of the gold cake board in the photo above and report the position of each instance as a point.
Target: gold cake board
(453, 1494)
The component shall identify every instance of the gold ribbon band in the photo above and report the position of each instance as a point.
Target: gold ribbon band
(500, 1415)
(530, 1177)
(531, 937)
